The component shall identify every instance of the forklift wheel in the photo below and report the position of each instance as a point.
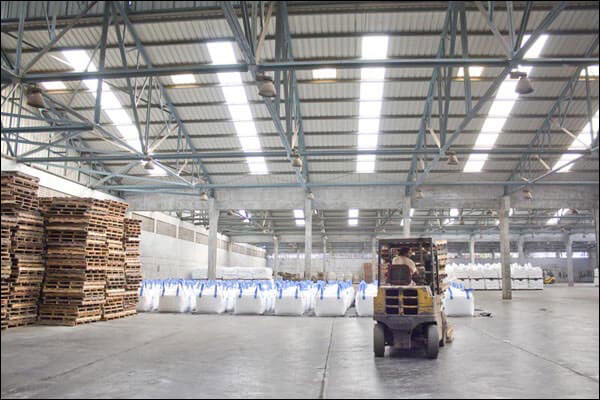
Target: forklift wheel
(433, 342)
(379, 340)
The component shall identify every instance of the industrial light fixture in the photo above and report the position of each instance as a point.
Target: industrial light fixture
(419, 194)
(297, 161)
(266, 87)
(204, 196)
(523, 85)
(527, 194)
(34, 97)
(310, 195)
(149, 165)
(452, 159)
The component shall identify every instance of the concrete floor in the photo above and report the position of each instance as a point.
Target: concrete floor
(542, 344)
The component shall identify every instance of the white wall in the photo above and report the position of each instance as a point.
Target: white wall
(162, 256)
(338, 263)
(166, 257)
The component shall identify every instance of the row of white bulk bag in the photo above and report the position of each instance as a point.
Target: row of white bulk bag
(491, 271)
(333, 300)
(458, 301)
(364, 299)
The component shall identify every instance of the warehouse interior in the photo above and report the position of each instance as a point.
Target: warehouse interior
(155, 150)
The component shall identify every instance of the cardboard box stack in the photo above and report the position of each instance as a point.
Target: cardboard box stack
(24, 225)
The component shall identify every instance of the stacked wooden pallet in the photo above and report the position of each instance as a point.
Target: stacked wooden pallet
(115, 278)
(8, 225)
(133, 266)
(21, 288)
(77, 260)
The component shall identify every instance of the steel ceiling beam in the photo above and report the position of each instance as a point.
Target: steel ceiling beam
(518, 57)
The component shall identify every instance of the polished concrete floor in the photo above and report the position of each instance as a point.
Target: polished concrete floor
(542, 344)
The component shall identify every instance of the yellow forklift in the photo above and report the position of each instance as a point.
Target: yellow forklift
(408, 308)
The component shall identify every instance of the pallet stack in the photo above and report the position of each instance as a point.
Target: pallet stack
(8, 225)
(115, 272)
(77, 260)
(21, 288)
(133, 265)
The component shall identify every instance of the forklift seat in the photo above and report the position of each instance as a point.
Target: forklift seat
(400, 275)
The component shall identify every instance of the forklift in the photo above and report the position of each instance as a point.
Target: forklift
(408, 310)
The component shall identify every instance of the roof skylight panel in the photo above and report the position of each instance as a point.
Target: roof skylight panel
(299, 217)
(582, 142)
(557, 215)
(324, 73)
(237, 104)
(54, 85)
(183, 79)
(500, 110)
(371, 96)
(81, 61)
(353, 216)
(474, 72)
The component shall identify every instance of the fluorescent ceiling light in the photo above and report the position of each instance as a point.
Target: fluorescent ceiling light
(300, 222)
(454, 212)
(412, 212)
(324, 73)
(474, 72)
(374, 47)
(54, 85)
(118, 116)
(183, 79)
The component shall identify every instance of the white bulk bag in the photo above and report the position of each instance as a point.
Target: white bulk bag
(250, 301)
(459, 302)
(211, 299)
(364, 299)
(535, 284)
(173, 299)
(290, 301)
(477, 284)
(330, 301)
(492, 284)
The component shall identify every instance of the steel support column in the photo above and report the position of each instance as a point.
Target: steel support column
(503, 214)
(406, 206)
(472, 249)
(275, 256)
(325, 257)
(213, 223)
(569, 249)
(521, 246)
(596, 222)
(307, 238)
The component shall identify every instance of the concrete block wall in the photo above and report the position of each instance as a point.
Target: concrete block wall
(164, 256)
